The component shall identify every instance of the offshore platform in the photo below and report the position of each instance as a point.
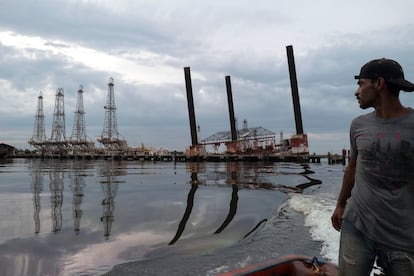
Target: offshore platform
(250, 144)
(78, 143)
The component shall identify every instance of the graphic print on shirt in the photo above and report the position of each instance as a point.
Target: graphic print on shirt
(389, 153)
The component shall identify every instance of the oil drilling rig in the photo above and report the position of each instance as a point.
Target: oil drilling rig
(39, 135)
(110, 138)
(78, 144)
(78, 140)
(58, 144)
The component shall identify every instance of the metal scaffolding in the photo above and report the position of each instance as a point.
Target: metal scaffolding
(248, 140)
(57, 143)
(78, 140)
(110, 138)
(39, 136)
(58, 126)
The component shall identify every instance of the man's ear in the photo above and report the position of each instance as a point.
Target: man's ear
(380, 83)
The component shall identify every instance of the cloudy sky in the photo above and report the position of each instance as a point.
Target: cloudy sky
(144, 46)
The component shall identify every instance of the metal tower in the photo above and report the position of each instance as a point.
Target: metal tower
(39, 135)
(79, 130)
(110, 137)
(58, 126)
(78, 139)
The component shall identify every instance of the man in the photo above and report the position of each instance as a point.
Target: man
(375, 208)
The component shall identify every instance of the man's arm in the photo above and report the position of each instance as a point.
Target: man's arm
(347, 185)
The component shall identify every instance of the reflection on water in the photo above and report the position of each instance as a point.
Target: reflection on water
(77, 186)
(56, 186)
(109, 186)
(234, 198)
(160, 207)
(188, 208)
(37, 189)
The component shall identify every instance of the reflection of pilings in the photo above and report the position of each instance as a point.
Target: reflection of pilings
(56, 198)
(37, 188)
(311, 182)
(190, 103)
(231, 109)
(188, 209)
(295, 90)
(77, 188)
(232, 210)
(255, 228)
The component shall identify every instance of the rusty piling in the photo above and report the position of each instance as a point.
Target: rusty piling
(231, 109)
(295, 90)
(190, 102)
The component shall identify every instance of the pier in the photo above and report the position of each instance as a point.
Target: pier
(176, 156)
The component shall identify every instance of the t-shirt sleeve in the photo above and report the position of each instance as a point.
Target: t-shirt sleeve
(352, 141)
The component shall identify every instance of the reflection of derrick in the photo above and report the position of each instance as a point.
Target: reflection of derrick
(78, 139)
(56, 198)
(39, 136)
(37, 188)
(109, 189)
(77, 187)
(110, 137)
(108, 205)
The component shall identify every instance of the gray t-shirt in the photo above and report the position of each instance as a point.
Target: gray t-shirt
(382, 200)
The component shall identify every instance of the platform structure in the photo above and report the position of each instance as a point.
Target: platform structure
(249, 140)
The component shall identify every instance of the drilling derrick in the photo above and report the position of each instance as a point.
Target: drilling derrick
(78, 139)
(57, 142)
(39, 136)
(110, 137)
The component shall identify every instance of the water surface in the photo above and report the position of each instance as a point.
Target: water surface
(82, 217)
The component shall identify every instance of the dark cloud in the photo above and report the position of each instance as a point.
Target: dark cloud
(144, 47)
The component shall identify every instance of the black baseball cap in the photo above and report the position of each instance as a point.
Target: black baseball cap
(389, 69)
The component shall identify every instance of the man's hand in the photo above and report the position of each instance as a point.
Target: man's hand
(336, 218)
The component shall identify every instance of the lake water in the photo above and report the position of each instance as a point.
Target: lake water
(83, 217)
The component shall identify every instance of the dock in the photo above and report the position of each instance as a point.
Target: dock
(182, 157)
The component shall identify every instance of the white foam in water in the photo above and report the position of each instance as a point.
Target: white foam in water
(318, 210)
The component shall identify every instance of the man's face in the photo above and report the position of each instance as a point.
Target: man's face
(367, 93)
